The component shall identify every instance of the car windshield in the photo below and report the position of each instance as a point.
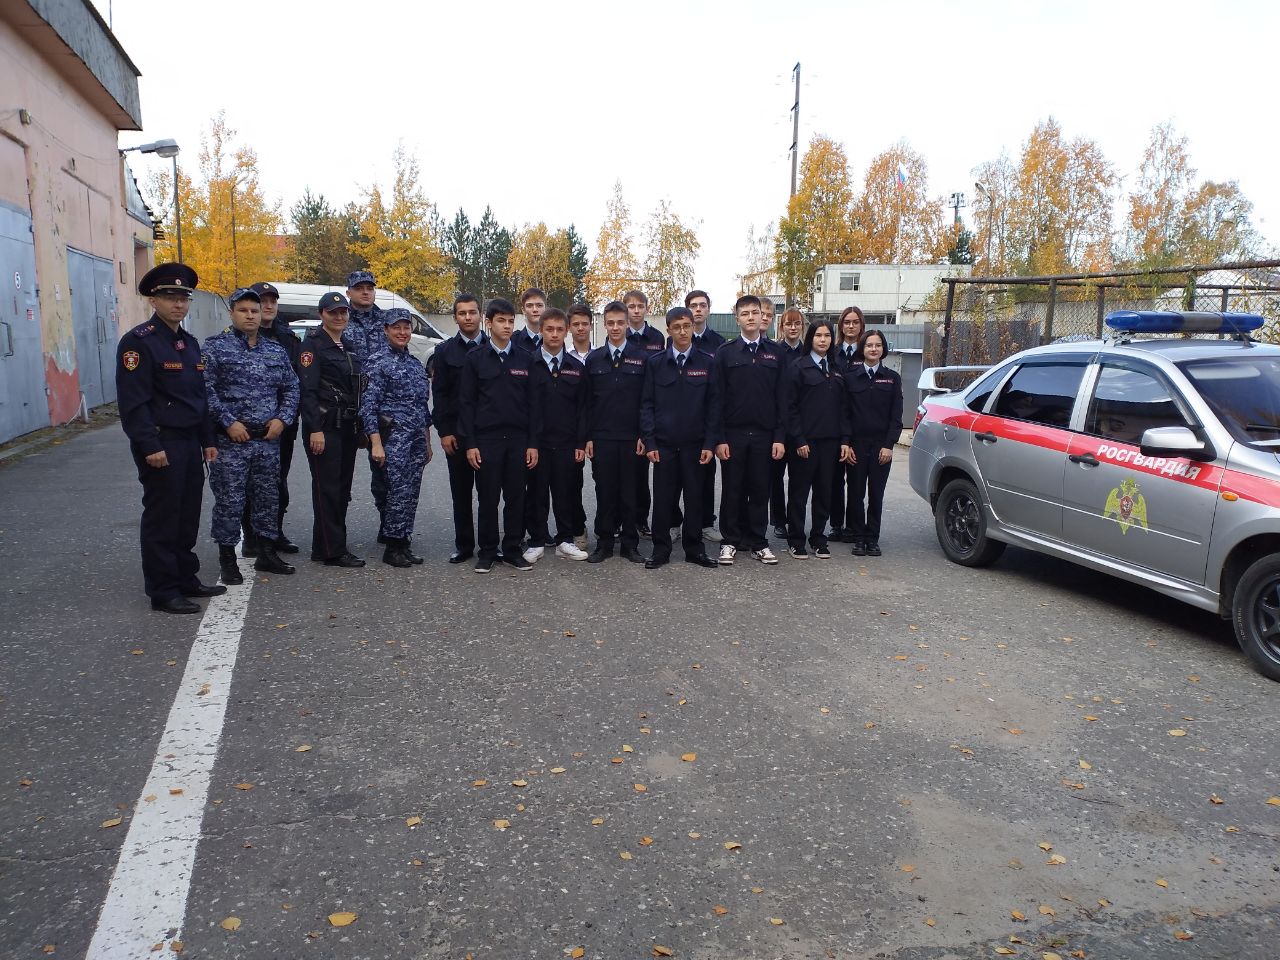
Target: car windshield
(1244, 392)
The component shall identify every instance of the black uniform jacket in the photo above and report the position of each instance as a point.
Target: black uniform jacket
(648, 337)
(160, 384)
(330, 381)
(875, 405)
(563, 398)
(814, 403)
(496, 398)
(447, 362)
(616, 387)
(678, 407)
(749, 386)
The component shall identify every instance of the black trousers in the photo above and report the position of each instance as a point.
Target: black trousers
(553, 484)
(378, 489)
(331, 473)
(841, 496)
(462, 484)
(868, 479)
(778, 493)
(171, 499)
(579, 511)
(614, 471)
(643, 501)
(744, 502)
(288, 440)
(709, 493)
(501, 477)
(677, 471)
(814, 475)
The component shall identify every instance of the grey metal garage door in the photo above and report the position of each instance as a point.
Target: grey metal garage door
(93, 298)
(23, 406)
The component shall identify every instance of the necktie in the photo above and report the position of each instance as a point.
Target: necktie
(680, 362)
(555, 366)
(871, 374)
(752, 348)
(502, 358)
(537, 340)
(617, 355)
(823, 366)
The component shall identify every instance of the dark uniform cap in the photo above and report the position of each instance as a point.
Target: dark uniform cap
(264, 289)
(396, 315)
(244, 293)
(332, 299)
(359, 276)
(168, 276)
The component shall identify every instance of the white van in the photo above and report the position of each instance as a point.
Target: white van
(298, 303)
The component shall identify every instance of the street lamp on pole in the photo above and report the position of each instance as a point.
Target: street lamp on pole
(991, 204)
(169, 150)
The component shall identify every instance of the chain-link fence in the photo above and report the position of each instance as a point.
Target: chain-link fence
(986, 319)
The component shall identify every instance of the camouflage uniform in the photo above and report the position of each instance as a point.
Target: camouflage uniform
(252, 385)
(398, 391)
(364, 328)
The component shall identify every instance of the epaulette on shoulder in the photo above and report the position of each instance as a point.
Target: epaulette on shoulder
(142, 329)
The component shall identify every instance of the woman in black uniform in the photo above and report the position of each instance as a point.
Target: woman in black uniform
(816, 413)
(849, 332)
(875, 412)
(330, 375)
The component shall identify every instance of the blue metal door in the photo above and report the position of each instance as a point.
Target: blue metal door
(23, 405)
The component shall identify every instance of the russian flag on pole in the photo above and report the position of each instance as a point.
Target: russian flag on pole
(902, 178)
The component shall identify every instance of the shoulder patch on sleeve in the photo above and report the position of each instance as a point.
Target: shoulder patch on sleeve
(130, 360)
(307, 358)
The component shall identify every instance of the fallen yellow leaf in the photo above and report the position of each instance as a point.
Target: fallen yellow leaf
(597, 821)
(757, 889)
(615, 760)
(777, 921)
(1085, 765)
(175, 791)
(113, 822)
(1018, 915)
(1215, 799)
(1091, 718)
(732, 845)
(823, 710)
(1047, 911)
(305, 748)
(625, 855)
(1015, 731)
(1104, 902)
(1274, 801)
(1050, 955)
(244, 786)
(908, 868)
(501, 824)
(639, 787)
(645, 730)
(627, 748)
(1056, 860)
(231, 923)
(719, 910)
(413, 821)
(1005, 951)
(519, 784)
(1183, 935)
(1177, 732)
(177, 946)
(557, 770)
(1045, 845)
(646, 841)
(479, 783)
(1162, 883)
(49, 948)
(930, 922)
(343, 918)
(659, 951)
(577, 952)
(688, 757)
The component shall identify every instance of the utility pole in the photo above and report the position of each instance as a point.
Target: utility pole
(957, 201)
(795, 131)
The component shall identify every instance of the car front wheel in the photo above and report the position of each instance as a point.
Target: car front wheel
(962, 526)
(1255, 613)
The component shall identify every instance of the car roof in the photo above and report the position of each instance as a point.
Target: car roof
(1173, 349)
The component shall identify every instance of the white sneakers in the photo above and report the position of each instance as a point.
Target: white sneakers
(711, 535)
(727, 553)
(569, 551)
(764, 556)
(532, 554)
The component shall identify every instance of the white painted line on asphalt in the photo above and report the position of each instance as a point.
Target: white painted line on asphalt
(147, 901)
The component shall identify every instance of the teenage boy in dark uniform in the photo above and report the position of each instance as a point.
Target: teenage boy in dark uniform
(581, 325)
(749, 433)
(559, 381)
(640, 333)
(448, 362)
(708, 341)
(499, 421)
(532, 303)
(615, 372)
(677, 416)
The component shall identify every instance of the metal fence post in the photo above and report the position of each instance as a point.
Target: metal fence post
(946, 319)
(1047, 336)
(1102, 309)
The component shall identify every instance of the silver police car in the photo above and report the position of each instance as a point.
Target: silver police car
(1153, 458)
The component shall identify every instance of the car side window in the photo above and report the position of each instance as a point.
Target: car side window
(1041, 393)
(983, 388)
(1128, 402)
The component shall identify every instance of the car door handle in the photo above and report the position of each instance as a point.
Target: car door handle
(1088, 459)
(987, 437)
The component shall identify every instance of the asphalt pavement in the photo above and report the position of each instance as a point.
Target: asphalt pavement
(893, 757)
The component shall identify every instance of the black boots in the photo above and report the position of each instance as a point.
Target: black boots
(230, 570)
(249, 545)
(397, 553)
(268, 560)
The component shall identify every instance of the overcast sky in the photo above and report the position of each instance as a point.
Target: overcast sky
(536, 109)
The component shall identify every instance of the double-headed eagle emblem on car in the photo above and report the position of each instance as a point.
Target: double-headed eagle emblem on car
(1126, 505)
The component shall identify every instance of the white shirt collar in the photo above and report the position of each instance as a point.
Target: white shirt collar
(547, 357)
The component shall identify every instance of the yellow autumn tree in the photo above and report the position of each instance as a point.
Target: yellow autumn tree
(401, 238)
(1060, 212)
(894, 219)
(818, 227)
(758, 277)
(995, 184)
(540, 258)
(671, 249)
(230, 231)
(615, 268)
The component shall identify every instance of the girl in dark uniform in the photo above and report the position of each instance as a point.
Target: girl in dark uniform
(814, 404)
(330, 375)
(850, 331)
(875, 412)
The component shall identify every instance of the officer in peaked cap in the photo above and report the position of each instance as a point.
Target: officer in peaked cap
(160, 387)
(365, 328)
(277, 330)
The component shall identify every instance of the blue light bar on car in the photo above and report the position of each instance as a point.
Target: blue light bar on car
(1173, 321)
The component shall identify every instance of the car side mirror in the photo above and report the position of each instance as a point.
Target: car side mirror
(1175, 442)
